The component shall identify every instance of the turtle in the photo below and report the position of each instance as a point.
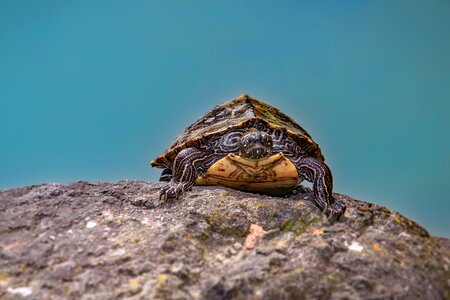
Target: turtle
(249, 145)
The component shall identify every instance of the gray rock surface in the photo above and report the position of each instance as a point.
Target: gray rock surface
(94, 241)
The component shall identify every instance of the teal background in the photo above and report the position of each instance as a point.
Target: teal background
(93, 90)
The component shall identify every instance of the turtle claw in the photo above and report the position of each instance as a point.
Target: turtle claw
(334, 211)
(173, 190)
(162, 196)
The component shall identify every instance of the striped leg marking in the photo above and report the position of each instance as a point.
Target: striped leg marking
(187, 166)
(166, 175)
(320, 175)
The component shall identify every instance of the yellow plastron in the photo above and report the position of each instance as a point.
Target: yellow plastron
(274, 175)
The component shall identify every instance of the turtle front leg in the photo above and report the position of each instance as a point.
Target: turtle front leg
(319, 174)
(187, 166)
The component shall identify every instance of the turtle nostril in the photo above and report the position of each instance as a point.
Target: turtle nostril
(259, 153)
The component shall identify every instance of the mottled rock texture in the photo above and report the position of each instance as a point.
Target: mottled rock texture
(94, 241)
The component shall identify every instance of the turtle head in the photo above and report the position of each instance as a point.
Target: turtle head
(256, 144)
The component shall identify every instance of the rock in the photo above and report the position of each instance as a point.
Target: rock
(254, 236)
(105, 241)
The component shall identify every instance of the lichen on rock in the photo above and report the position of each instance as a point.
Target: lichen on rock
(105, 241)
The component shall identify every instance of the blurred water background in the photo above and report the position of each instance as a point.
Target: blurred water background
(93, 90)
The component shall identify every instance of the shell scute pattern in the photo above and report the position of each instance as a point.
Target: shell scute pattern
(239, 115)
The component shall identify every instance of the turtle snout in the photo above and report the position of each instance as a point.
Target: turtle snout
(259, 152)
(256, 145)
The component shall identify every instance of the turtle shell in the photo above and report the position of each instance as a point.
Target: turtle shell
(234, 114)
